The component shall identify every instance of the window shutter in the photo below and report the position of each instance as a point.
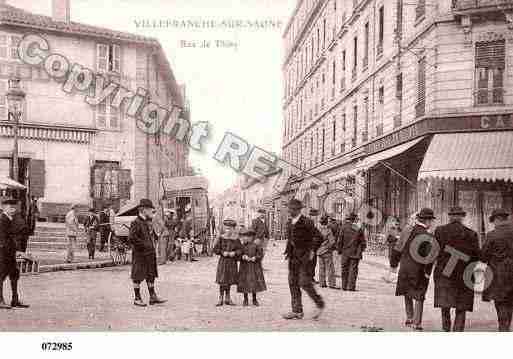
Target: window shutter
(491, 55)
(116, 63)
(102, 57)
(37, 178)
(421, 89)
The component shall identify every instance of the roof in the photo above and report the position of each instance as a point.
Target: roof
(483, 156)
(13, 16)
(185, 183)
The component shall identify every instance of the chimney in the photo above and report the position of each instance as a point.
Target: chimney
(61, 10)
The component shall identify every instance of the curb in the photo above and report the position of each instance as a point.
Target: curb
(75, 266)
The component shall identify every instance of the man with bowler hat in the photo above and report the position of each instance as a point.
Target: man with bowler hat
(303, 240)
(497, 252)
(261, 231)
(8, 265)
(415, 268)
(351, 245)
(144, 256)
(451, 290)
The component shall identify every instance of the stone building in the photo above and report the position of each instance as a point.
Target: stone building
(399, 105)
(70, 151)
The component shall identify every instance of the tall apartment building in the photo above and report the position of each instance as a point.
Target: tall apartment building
(400, 104)
(70, 151)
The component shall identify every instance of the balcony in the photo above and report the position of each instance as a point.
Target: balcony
(476, 6)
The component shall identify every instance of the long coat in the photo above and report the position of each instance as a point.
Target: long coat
(7, 247)
(227, 267)
(251, 275)
(497, 252)
(451, 291)
(302, 238)
(351, 241)
(20, 232)
(261, 231)
(144, 256)
(412, 280)
(328, 242)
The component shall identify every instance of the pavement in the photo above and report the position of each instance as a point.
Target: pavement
(101, 300)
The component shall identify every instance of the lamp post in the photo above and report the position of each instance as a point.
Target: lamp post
(15, 98)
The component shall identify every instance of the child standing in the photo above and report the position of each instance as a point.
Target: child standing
(251, 275)
(228, 248)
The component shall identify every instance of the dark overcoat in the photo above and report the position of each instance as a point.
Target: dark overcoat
(302, 238)
(412, 280)
(20, 232)
(227, 267)
(351, 242)
(497, 252)
(251, 274)
(8, 246)
(451, 291)
(144, 256)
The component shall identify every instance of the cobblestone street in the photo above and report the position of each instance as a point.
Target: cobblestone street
(102, 300)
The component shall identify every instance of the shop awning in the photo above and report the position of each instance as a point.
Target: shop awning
(484, 156)
(373, 160)
(7, 183)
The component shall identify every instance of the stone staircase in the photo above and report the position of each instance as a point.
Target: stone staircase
(52, 237)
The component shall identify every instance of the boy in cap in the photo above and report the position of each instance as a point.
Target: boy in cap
(144, 256)
(8, 265)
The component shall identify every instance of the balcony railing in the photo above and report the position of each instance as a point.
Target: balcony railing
(489, 97)
(464, 5)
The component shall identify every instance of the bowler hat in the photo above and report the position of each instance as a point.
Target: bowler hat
(146, 203)
(314, 212)
(247, 232)
(74, 206)
(10, 201)
(500, 212)
(457, 211)
(229, 223)
(261, 210)
(295, 203)
(426, 213)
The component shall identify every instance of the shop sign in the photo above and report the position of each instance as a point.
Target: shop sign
(444, 124)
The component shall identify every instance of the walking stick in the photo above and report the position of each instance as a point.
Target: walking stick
(110, 244)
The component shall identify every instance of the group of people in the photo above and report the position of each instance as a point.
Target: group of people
(451, 253)
(95, 223)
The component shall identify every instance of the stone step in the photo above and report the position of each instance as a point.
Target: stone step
(56, 236)
(52, 246)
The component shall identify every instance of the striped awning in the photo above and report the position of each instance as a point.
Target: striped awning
(483, 156)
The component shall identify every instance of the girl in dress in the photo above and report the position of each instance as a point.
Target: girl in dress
(228, 248)
(251, 275)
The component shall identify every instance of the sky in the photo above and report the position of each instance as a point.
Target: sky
(237, 89)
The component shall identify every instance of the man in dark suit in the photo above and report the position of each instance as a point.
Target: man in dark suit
(259, 226)
(104, 227)
(451, 291)
(497, 252)
(303, 240)
(350, 245)
(8, 265)
(314, 214)
(21, 231)
(91, 226)
(144, 255)
(415, 267)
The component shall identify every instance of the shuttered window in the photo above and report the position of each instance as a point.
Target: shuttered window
(490, 65)
(108, 58)
(420, 108)
(37, 178)
(399, 86)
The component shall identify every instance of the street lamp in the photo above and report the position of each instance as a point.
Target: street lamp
(15, 99)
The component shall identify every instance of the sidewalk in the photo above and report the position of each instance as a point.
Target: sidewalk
(52, 261)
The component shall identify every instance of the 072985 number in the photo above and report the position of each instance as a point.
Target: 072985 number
(51, 346)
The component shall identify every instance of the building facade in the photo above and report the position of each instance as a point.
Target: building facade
(396, 105)
(70, 151)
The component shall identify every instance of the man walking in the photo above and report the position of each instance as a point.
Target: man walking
(498, 254)
(72, 230)
(144, 256)
(21, 231)
(414, 274)
(91, 227)
(303, 240)
(8, 265)
(104, 227)
(451, 291)
(261, 231)
(351, 245)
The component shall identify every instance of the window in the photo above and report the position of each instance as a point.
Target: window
(343, 70)
(420, 108)
(3, 100)
(380, 109)
(365, 133)
(399, 19)
(420, 10)
(9, 47)
(318, 40)
(343, 144)
(365, 62)
(490, 65)
(381, 29)
(355, 56)
(334, 78)
(334, 136)
(108, 117)
(355, 124)
(324, 34)
(323, 144)
(109, 58)
(399, 86)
